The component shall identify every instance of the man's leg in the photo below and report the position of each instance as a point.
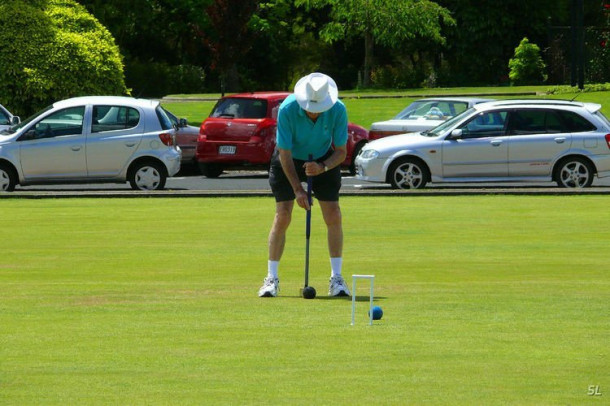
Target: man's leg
(332, 217)
(277, 235)
(331, 211)
(277, 241)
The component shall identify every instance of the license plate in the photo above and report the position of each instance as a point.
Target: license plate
(227, 149)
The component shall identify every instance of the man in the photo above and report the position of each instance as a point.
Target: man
(310, 121)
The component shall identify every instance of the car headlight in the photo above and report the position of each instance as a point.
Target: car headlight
(369, 154)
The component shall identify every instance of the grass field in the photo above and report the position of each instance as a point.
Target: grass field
(365, 111)
(487, 300)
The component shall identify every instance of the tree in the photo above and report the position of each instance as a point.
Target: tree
(229, 37)
(386, 22)
(159, 41)
(51, 50)
(527, 67)
(484, 38)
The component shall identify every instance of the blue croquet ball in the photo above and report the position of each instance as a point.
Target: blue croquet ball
(377, 313)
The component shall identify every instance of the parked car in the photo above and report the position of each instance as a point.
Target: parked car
(422, 115)
(240, 132)
(7, 119)
(186, 138)
(91, 139)
(511, 140)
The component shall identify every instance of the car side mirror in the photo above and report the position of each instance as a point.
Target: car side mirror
(15, 120)
(455, 134)
(182, 123)
(29, 135)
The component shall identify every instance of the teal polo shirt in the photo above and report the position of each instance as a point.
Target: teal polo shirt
(297, 133)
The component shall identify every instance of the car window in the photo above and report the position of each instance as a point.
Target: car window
(450, 109)
(61, 123)
(240, 108)
(164, 120)
(112, 118)
(432, 109)
(171, 117)
(532, 121)
(4, 118)
(486, 124)
(575, 122)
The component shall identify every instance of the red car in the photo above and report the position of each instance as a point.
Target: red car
(240, 132)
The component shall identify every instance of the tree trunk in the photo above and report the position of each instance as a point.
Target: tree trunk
(368, 59)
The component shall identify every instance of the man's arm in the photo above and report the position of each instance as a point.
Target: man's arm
(337, 157)
(293, 178)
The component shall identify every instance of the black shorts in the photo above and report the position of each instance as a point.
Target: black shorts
(325, 186)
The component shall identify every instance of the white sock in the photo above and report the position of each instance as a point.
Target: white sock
(272, 268)
(335, 266)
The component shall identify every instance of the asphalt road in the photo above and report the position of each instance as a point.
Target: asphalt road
(255, 183)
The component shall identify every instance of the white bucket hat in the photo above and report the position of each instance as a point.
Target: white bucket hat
(316, 92)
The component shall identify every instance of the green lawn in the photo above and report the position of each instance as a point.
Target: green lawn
(365, 111)
(487, 300)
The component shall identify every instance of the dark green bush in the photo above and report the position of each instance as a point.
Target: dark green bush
(157, 79)
(52, 50)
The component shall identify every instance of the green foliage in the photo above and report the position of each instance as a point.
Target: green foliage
(588, 87)
(527, 67)
(157, 79)
(51, 50)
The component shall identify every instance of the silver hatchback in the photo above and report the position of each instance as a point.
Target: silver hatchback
(510, 140)
(89, 140)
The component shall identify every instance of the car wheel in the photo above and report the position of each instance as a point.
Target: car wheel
(210, 170)
(147, 176)
(574, 173)
(8, 178)
(408, 173)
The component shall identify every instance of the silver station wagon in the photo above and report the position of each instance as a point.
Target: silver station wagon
(510, 140)
(90, 140)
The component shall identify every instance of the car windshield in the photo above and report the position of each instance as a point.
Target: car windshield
(438, 130)
(432, 109)
(17, 127)
(235, 107)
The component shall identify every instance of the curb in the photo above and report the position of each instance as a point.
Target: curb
(551, 191)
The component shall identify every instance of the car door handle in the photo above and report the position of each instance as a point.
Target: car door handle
(560, 140)
(76, 148)
(496, 143)
(130, 144)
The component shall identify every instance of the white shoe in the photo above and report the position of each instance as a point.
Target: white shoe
(270, 287)
(337, 287)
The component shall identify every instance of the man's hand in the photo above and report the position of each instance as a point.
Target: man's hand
(301, 198)
(313, 168)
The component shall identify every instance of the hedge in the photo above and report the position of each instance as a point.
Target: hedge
(52, 50)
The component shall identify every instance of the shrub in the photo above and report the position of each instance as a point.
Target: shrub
(157, 79)
(527, 67)
(54, 49)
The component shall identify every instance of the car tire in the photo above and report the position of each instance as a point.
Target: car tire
(147, 175)
(211, 170)
(8, 178)
(574, 172)
(408, 173)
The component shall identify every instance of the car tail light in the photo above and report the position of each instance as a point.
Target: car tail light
(608, 140)
(267, 132)
(201, 137)
(167, 139)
